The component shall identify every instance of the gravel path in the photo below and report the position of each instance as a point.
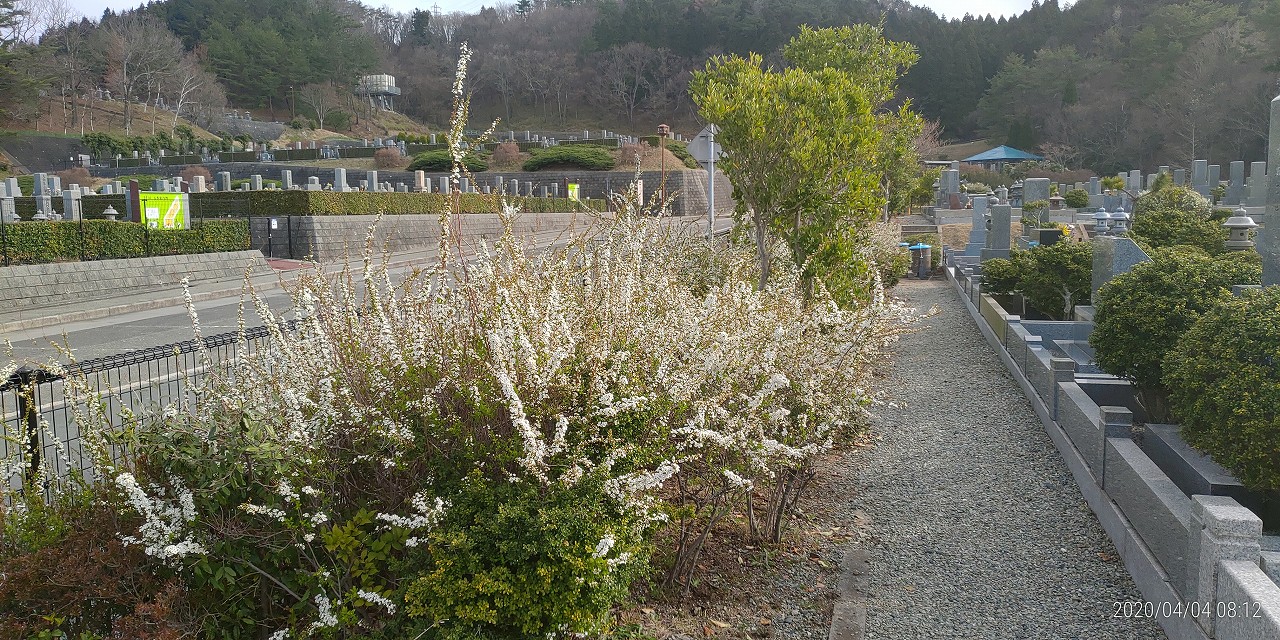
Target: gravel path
(978, 529)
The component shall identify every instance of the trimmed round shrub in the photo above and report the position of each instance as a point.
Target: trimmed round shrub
(1176, 216)
(1000, 276)
(1076, 198)
(1224, 386)
(1141, 315)
(585, 157)
(1056, 278)
(440, 160)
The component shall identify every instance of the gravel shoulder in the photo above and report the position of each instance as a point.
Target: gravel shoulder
(976, 527)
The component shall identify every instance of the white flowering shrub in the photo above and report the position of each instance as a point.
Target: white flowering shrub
(489, 448)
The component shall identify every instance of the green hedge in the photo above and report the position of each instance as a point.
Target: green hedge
(92, 206)
(357, 152)
(1224, 385)
(238, 156)
(580, 157)
(442, 160)
(38, 242)
(292, 155)
(170, 161)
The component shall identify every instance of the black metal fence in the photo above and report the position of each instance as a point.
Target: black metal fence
(38, 421)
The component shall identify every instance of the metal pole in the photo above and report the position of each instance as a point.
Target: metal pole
(28, 415)
(711, 186)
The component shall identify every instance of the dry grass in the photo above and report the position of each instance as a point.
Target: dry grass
(956, 236)
(107, 116)
(960, 151)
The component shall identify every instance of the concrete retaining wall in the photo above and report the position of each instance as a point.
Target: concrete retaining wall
(326, 238)
(35, 286)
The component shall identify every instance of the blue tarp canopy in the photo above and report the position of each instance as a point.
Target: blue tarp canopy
(1002, 154)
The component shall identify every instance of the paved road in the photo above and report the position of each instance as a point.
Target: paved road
(153, 327)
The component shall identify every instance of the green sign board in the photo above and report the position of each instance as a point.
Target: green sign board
(164, 210)
(573, 191)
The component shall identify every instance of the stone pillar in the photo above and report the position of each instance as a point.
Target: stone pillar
(1095, 186)
(499, 185)
(40, 184)
(544, 192)
(998, 237)
(464, 184)
(224, 181)
(513, 188)
(372, 177)
(255, 182)
(55, 185)
(1135, 182)
(1215, 176)
(1269, 243)
(1235, 192)
(444, 184)
(339, 179)
(14, 190)
(1180, 177)
(1221, 530)
(419, 181)
(117, 187)
(528, 189)
(197, 184)
(286, 179)
(313, 184)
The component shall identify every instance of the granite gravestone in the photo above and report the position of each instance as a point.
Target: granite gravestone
(1235, 192)
(340, 179)
(1034, 189)
(1269, 243)
(998, 236)
(1258, 182)
(1113, 256)
(1200, 177)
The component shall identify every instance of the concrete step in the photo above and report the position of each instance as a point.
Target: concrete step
(908, 229)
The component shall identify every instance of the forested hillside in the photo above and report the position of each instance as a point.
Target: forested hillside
(1108, 84)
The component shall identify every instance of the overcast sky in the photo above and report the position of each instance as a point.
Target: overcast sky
(947, 8)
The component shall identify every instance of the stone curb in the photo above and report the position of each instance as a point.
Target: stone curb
(849, 616)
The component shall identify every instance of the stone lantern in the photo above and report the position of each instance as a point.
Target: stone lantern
(1119, 221)
(110, 213)
(1239, 225)
(1101, 221)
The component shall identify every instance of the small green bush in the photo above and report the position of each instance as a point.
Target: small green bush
(1141, 315)
(1176, 216)
(1224, 386)
(576, 157)
(442, 161)
(681, 151)
(1076, 198)
(481, 570)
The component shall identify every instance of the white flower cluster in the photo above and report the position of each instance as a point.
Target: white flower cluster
(165, 532)
(324, 614)
(374, 598)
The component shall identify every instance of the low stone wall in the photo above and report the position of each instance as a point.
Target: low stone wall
(36, 286)
(326, 238)
(1197, 559)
